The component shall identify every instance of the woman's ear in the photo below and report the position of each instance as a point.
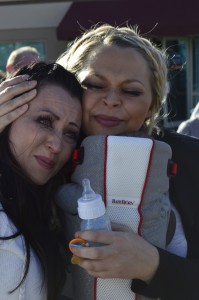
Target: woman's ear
(9, 68)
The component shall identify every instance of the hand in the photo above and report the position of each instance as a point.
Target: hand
(15, 93)
(125, 255)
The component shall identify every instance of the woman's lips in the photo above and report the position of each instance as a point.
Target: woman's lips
(108, 121)
(45, 162)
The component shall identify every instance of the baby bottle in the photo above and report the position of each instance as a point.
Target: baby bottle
(91, 209)
(92, 212)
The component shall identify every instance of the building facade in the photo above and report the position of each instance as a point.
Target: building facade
(173, 25)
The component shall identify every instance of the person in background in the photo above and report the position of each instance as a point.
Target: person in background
(35, 151)
(21, 57)
(191, 126)
(125, 82)
(195, 111)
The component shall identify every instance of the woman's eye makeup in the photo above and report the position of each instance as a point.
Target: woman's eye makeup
(73, 135)
(45, 121)
(100, 86)
(135, 93)
(91, 85)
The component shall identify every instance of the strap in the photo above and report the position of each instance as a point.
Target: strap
(171, 227)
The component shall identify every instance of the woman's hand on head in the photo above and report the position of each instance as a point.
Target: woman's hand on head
(15, 93)
(125, 255)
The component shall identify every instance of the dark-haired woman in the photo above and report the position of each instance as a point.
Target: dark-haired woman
(35, 149)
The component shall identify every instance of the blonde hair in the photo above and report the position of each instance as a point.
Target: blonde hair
(75, 57)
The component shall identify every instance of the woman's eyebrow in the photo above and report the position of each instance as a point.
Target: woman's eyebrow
(51, 112)
(74, 124)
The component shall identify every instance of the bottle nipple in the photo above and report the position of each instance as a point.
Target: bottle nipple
(90, 205)
(88, 193)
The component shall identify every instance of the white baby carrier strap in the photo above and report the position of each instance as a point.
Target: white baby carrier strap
(127, 163)
(119, 168)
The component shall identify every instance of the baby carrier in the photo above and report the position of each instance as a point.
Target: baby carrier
(131, 174)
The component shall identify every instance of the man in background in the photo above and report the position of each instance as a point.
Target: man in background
(20, 57)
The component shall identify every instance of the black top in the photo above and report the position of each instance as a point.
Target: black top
(178, 278)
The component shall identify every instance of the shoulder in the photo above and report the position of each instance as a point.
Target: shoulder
(180, 143)
(16, 245)
(185, 151)
(184, 186)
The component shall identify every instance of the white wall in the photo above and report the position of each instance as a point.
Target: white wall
(53, 47)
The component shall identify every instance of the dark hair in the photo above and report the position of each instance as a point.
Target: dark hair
(53, 73)
(30, 207)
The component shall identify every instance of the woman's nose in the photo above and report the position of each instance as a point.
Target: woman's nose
(112, 98)
(54, 142)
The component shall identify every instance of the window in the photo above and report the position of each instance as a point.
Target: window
(195, 71)
(176, 106)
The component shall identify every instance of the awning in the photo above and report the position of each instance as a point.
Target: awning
(155, 18)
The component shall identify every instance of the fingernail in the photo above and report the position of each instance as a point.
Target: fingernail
(32, 92)
(75, 260)
(24, 107)
(32, 82)
(26, 77)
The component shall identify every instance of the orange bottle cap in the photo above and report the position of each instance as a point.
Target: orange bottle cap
(77, 242)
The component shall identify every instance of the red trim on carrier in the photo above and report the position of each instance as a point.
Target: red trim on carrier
(144, 188)
(105, 166)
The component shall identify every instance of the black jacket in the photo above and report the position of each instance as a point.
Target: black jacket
(178, 278)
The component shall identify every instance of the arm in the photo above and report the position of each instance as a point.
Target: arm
(12, 262)
(176, 279)
(10, 272)
(168, 275)
(15, 93)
